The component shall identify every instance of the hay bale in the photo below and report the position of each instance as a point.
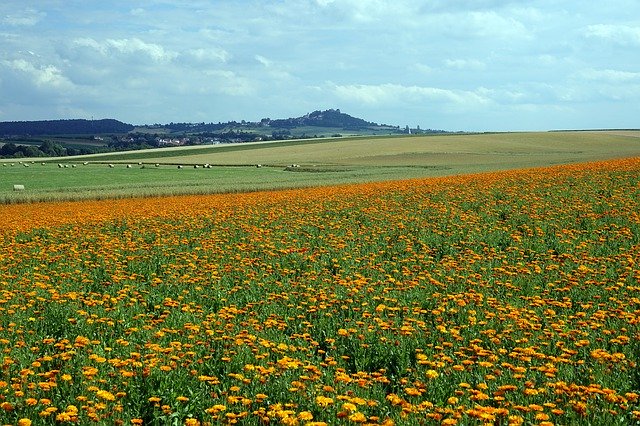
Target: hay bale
(180, 166)
(18, 187)
(111, 166)
(128, 166)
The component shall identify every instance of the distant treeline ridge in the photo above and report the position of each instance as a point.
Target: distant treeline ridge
(63, 127)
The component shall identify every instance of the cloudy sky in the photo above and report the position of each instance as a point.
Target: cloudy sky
(442, 64)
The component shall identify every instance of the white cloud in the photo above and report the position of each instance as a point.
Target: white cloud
(128, 46)
(465, 64)
(229, 83)
(264, 61)
(610, 76)
(274, 70)
(422, 68)
(25, 18)
(391, 93)
(478, 25)
(47, 76)
(209, 54)
(367, 11)
(621, 34)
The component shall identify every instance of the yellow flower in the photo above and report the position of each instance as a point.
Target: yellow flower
(358, 417)
(347, 406)
(323, 401)
(106, 395)
(305, 416)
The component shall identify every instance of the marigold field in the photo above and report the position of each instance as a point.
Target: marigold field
(504, 298)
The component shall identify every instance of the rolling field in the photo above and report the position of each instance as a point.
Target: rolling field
(323, 162)
(508, 298)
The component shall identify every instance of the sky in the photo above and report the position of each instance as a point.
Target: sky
(458, 65)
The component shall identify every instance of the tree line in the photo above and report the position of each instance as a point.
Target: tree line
(46, 149)
(63, 127)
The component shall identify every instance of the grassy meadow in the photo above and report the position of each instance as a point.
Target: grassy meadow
(321, 161)
(508, 298)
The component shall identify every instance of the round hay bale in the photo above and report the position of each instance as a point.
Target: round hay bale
(18, 187)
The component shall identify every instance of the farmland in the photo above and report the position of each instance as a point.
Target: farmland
(510, 297)
(322, 162)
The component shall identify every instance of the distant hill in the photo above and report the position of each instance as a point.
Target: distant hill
(332, 119)
(328, 123)
(63, 127)
(328, 118)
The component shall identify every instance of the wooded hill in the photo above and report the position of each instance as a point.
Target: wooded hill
(63, 127)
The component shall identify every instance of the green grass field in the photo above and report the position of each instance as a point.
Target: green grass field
(322, 162)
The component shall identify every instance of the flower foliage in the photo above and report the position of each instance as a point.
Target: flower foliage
(506, 298)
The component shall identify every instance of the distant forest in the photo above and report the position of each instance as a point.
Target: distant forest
(63, 127)
(46, 149)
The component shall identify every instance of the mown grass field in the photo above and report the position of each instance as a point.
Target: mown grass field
(323, 162)
(507, 298)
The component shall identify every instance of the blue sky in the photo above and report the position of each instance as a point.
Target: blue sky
(482, 65)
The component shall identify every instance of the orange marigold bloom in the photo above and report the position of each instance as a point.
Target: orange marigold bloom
(358, 417)
(305, 416)
(323, 401)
